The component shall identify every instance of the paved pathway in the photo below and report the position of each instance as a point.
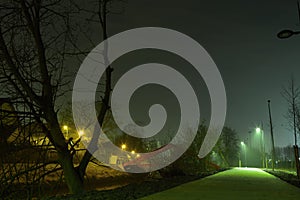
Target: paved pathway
(235, 184)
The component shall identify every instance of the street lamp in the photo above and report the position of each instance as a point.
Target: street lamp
(284, 34)
(244, 147)
(66, 128)
(80, 133)
(123, 146)
(260, 131)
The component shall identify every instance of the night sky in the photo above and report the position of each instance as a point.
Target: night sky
(241, 38)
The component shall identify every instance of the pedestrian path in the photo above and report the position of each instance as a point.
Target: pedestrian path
(234, 184)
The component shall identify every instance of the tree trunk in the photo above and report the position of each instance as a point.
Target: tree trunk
(72, 177)
(102, 14)
(296, 152)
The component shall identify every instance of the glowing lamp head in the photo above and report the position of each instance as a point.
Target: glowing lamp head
(80, 133)
(257, 130)
(65, 127)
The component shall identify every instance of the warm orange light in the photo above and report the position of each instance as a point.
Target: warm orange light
(80, 133)
(65, 127)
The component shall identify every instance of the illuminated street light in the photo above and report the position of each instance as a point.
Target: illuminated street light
(123, 146)
(284, 34)
(244, 148)
(260, 131)
(257, 130)
(66, 128)
(132, 152)
(80, 133)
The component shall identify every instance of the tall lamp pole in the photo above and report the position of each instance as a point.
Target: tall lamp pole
(272, 136)
(283, 35)
(245, 151)
(262, 144)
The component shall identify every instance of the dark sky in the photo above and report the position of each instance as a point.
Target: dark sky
(241, 38)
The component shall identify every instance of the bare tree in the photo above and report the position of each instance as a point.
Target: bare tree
(32, 66)
(25, 154)
(36, 39)
(101, 15)
(292, 94)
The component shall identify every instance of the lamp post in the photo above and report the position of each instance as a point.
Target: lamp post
(272, 135)
(240, 161)
(284, 34)
(244, 148)
(262, 142)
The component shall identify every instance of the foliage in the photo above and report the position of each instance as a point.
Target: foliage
(228, 147)
(189, 163)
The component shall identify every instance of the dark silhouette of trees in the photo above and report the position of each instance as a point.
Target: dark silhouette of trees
(36, 40)
(228, 146)
(190, 163)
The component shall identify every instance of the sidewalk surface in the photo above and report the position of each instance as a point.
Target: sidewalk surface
(234, 184)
